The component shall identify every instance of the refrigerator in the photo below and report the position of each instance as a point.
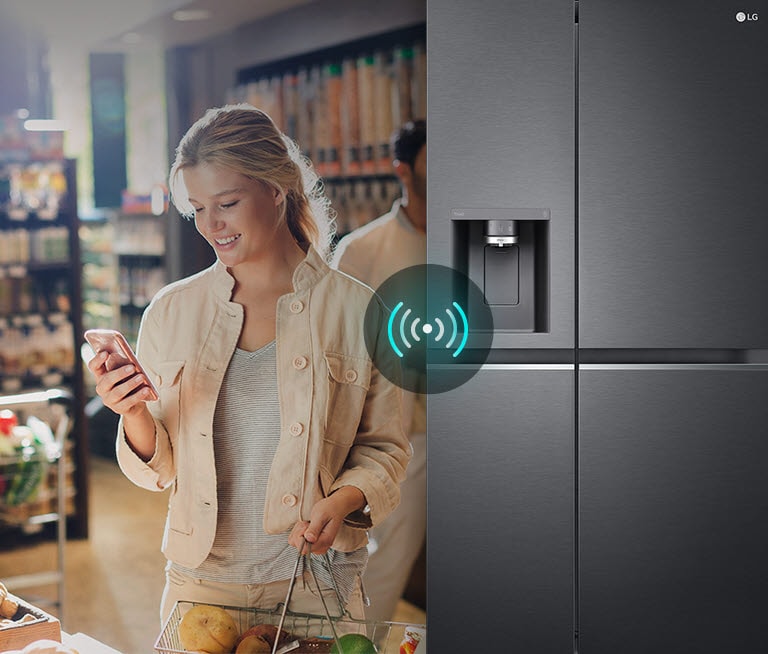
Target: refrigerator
(600, 483)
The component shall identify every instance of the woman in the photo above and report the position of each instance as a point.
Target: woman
(274, 424)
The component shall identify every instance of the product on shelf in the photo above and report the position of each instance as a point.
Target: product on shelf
(384, 98)
(333, 95)
(366, 75)
(350, 119)
(403, 71)
(357, 201)
(343, 106)
(34, 188)
(40, 301)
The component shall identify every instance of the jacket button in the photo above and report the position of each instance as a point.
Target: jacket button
(350, 375)
(289, 500)
(300, 363)
(297, 306)
(296, 428)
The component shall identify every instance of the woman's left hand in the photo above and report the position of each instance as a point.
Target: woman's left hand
(325, 519)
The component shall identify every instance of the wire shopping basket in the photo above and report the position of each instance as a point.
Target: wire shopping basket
(27, 489)
(387, 635)
(321, 630)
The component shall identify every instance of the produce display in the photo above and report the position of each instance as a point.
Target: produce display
(24, 454)
(8, 605)
(24, 629)
(207, 629)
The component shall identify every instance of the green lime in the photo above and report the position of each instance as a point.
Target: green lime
(354, 644)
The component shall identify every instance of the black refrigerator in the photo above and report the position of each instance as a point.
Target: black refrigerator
(600, 484)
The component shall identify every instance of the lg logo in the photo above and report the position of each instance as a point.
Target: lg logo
(741, 17)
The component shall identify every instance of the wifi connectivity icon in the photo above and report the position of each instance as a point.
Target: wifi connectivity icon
(406, 329)
(417, 328)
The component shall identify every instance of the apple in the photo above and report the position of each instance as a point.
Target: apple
(253, 645)
(266, 631)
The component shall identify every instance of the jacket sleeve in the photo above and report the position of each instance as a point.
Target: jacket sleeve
(159, 472)
(381, 450)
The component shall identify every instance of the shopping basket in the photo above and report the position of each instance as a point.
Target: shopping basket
(33, 487)
(26, 490)
(387, 635)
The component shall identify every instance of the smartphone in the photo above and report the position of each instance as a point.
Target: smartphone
(116, 344)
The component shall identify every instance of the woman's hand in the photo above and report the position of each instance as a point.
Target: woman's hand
(117, 388)
(326, 518)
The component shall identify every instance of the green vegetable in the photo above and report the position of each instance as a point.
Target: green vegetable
(26, 480)
(354, 644)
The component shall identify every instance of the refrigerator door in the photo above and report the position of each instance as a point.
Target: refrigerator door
(673, 131)
(501, 88)
(673, 509)
(501, 512)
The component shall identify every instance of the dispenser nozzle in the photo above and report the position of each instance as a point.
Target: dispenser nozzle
(501, 233)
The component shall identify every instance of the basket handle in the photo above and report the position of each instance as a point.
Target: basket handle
(292, 583)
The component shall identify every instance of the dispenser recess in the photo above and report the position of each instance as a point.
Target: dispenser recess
(505, 252)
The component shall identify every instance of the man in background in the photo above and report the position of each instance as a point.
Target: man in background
(372, 254)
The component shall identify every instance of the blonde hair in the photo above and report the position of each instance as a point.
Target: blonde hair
(244, 139)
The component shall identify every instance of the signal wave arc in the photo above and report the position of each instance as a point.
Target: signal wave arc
(402, 329)
(455, 329)
(441, 331)
(466, 329)
(389, 330)
(415, 324)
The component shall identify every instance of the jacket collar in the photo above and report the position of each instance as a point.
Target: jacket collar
(309, 271)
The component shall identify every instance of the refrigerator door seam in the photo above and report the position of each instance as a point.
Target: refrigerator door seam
(504, 366)
(673, 366)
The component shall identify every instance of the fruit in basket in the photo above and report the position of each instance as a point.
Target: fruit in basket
(354, 644)
(207, 629)
(253, 645)
(266, 631)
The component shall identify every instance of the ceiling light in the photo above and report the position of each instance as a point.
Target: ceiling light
(45, 126)
(191, 14)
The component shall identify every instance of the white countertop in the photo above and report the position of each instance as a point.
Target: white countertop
(86, 645)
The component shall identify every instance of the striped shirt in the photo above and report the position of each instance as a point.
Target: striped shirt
(246, 428)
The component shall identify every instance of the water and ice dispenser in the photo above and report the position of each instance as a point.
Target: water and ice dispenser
(505, 252)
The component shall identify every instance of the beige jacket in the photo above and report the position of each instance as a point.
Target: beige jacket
(339, 414)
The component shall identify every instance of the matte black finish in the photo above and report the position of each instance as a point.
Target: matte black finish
(502, 274)
(671, 266)
(673, 534)
(501, 89)
(673, 131)
(500, 514)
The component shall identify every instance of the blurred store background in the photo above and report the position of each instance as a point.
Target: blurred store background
(94, 96)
